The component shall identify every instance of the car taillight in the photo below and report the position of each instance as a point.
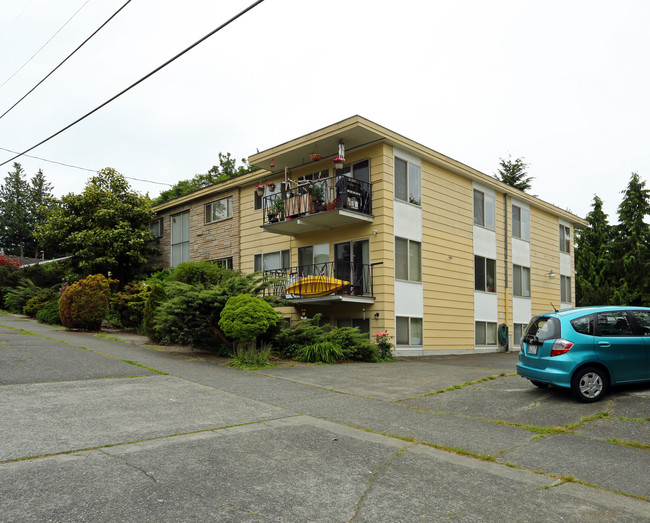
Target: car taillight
(560, 347)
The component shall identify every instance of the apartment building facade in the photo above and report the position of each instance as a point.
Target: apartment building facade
(393, 236)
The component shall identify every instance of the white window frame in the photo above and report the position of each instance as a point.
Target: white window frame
(226, 263)
(489, 333)
(156, 228)
(285, 259)
(487, 216)
(565, 238)
(412, 181)
(210, 210)
(413, 323)
(409, 263)
(180, 247)
(482, 263)
(520, 281)
(521, 226)
(516, 340)
(565, 289)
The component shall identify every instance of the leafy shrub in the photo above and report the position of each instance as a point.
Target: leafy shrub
(49, 312)
(384, 346)
(247, 357)
(290, 338)
(45, 275)
(355, 344)
(245, 317)
(156, 296)
(127, 306)
(16, 298)
(84, 304)
(35, 304)
(321, 352)
(6, 261)
(200, 273)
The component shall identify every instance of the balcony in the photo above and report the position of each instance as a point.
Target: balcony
(317, 205)
(323, 283)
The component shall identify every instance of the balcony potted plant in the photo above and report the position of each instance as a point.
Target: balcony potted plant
(271, 186)
(276, 211)
(338, 162)
(259, 190)
(316, 192)
(315, 157)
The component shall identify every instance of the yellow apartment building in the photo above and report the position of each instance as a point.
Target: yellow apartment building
(374, 230)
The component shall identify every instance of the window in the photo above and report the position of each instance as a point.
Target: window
(485, 274)
(565, 238)
(219, 210)
(643, 319)
(408, 331)
(584, 325)
(521, 281)
(408, 183)
(408, 260)
(484, 210)
(485, 333)
(272, 261)
(226, 263)
(257, 203)
(565, 289)
(156, 228)
(613, 324)
(359, 323)
(180, 238)
(314, 259)
(518, 330)
(520, 223)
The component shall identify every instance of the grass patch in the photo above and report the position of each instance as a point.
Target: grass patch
(249, 358)
(632, 444)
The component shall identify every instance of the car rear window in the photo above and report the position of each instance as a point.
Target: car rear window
(544, 328)
(584, 325)
(643, 318)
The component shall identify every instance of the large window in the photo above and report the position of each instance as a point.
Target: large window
(408, 260)
(520, 223)
(272, 261)
(219, 210)
(408, 331)
(314, 259)
(485, 333)
(408, 183)
(180, 238)
(485, 274)
(565, 289)
(521, 281)
(484, 209)
(565, 238)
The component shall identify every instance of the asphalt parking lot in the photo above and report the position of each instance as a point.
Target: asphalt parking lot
(102, 429)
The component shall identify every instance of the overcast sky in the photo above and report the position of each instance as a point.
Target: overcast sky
(564, 84)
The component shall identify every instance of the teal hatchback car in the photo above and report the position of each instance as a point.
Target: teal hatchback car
(587, 349)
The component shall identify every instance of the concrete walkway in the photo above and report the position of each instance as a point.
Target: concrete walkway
(104, 430)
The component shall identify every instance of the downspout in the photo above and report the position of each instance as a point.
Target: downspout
(505, 243)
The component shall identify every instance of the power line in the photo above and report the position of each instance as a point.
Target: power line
(15, 20)
(51, 38)
(66, 58)
(238, 15)
(83, 168)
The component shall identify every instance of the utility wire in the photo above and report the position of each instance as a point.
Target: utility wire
(238, 15)
(51, 38)
(84, 168)
(15, 20)
(66, 59)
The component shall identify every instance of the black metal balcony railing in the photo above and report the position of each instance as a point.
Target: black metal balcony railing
(322, 279)
(340, 192)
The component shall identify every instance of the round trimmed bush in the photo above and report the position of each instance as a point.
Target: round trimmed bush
(84, 304)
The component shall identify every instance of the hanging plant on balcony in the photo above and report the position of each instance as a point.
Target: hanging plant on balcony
(338, 162)
(271, 186)
(259, 190)
(315, 157)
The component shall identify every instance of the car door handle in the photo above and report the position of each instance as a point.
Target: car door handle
(604, 344)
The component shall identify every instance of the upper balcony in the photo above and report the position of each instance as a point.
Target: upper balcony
(317, 205)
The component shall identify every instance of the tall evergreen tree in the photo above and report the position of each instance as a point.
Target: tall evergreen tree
(23, 206)
(514, 173)
(630, 247)
(593, 259)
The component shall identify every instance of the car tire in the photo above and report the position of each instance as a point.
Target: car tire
(540, 384)
(589, 384)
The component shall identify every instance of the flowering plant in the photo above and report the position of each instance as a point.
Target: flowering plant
(338, 159)
(382, 340)
(260, 187)
(12, 263)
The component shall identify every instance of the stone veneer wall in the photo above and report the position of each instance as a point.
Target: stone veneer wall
(208, 241)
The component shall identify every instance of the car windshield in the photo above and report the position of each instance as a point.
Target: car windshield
(544, 328)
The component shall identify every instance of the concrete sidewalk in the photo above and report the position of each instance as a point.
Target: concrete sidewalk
(97, 429)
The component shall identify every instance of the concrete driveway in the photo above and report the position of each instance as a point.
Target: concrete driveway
(104, 430)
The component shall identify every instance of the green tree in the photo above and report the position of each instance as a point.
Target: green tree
(630, 246)
(226, 169)
(593, 260)
(514, 173)
(246, 317)
(105, 228)
(23, 206)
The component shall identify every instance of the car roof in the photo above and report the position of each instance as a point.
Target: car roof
(583, 311)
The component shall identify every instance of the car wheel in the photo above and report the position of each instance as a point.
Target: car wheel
(540, 384)
(589, 384)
